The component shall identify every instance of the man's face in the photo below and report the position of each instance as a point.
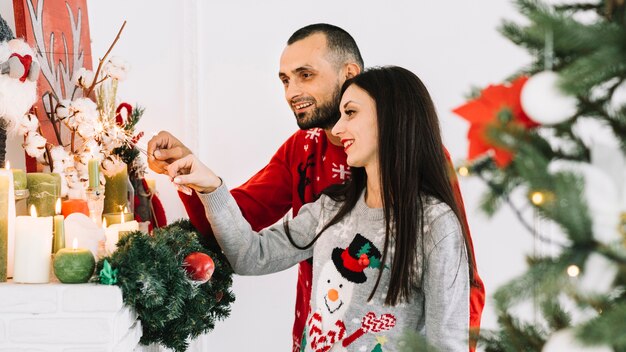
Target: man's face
(312, 82)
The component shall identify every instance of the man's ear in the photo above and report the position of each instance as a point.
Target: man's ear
(352, 70)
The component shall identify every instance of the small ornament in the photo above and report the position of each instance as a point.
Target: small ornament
(564, 340)
(543, 101)
(199, 266)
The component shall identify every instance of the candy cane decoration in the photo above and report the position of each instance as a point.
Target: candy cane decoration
(370, 323)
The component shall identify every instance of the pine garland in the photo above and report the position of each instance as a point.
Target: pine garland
(172, 308)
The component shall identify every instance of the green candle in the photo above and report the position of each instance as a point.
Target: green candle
(116, 192)
(19, 179)
(74, 266)
(94, 173)
(58, 241)
(45, 189)
(4, 223)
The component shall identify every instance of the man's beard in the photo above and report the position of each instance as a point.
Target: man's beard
(324, 116)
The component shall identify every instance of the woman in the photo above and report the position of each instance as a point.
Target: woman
(388, 250)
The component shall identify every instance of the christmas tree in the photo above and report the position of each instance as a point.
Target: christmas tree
(555, 132)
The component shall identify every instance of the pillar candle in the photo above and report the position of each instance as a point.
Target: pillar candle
(116, 192)
(44, 189)
(7, 222)
(116, 231)
(33, 240)
(70, 206)
(94, 173)
(19, 179)
(59, 229)
(116, 218)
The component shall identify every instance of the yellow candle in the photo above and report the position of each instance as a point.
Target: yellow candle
(33, 240)
(7, 218)
(94, 173)
(59, 229)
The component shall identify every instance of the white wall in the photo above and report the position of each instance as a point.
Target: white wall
(207, 71)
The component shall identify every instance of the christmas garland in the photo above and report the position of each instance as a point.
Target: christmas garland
(172, 307)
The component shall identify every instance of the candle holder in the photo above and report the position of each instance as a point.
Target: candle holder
(95, 203)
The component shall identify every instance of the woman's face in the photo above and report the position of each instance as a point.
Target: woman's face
(357, 127)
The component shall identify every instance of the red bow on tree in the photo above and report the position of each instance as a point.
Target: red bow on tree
(482, 113)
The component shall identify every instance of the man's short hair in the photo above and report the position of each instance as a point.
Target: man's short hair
(340, 43)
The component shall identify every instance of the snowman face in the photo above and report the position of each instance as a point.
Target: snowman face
(334, 292)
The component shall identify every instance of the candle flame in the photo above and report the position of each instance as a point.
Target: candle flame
(33, 211)
(7, 165)
(104, 223)
(125, 210)
(57, 206)
(121, 218)
(75, 243)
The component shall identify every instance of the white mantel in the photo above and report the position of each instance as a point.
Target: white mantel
(66, 318)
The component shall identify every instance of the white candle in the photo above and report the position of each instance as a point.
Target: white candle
(7, 208)
(33, 240)
(115, 229)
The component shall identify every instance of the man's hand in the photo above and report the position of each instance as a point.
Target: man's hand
(163, 150)
(190, 171)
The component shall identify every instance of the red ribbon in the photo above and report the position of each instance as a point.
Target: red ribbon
(26, 61)
(118, 117)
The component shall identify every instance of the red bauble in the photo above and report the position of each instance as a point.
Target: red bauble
(199, 266)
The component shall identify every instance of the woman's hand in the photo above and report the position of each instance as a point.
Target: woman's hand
(190, 171)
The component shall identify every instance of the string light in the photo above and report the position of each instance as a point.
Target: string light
(537, 198)
(573, 271)
(463, 171)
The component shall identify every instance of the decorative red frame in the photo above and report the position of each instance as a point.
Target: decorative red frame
(59, 33)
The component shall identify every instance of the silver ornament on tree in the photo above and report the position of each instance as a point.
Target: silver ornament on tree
(544, 102)
(542, 99)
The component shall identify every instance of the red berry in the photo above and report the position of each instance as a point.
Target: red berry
(199, 266)
(364, 260)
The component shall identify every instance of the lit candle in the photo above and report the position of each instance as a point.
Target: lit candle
(124, 226)
(33, 240)
(59, 229)
(73, 266)
(7, 222)
(94, 173)
(116, 218)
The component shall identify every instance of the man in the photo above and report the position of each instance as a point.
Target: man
(318, 59)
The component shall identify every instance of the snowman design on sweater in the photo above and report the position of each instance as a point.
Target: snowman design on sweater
(326, 329)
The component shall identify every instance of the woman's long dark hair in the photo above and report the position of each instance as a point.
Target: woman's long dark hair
(412, 163)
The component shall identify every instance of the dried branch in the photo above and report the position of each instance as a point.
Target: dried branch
(95, 80)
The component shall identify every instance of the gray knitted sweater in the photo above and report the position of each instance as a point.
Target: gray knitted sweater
(346, 261)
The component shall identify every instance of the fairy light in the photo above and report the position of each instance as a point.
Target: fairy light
(573, 270)
(463, 171)
(537, 198)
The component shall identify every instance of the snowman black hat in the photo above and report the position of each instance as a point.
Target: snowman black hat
(352, 261)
